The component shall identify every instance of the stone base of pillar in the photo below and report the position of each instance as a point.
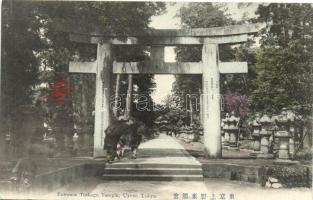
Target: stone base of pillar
(99, 153)
(208, 155)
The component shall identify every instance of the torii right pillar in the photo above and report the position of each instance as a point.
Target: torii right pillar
(211, 101)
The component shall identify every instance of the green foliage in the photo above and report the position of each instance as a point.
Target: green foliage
(21, 42)
(120, 18)
(201, 15)
(290, 176)
(204, 14)
(37, 50)
(185, 86)
(284, 65)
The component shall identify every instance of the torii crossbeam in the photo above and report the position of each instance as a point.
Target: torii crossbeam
(210, 67)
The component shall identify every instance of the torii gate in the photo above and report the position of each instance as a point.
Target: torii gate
(210, 67)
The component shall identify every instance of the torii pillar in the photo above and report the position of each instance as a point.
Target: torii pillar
(211, 111)
(102, 67)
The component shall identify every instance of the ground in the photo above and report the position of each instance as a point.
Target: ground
(241, 156)
(132, 190)
(172, 152)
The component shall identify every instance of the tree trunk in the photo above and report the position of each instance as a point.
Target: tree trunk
(307, 140)
(84, 112)
(191, 111)
(117, 91)
(129, 98)
(201, 107)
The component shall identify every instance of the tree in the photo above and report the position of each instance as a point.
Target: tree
(201, 15)
(36, 33)
(284, 65)
(21, 43)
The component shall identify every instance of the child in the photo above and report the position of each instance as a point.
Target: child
(120, 148)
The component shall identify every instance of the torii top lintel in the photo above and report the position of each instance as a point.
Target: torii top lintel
(225, 34)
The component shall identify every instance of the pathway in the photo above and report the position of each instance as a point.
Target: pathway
(162, 158)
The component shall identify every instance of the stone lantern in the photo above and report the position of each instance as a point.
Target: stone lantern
(265, 134)
(7, 143)
(75, 144)
(283, 135)
(233, 131)
(275, 141)
(226, 130)
(256, 134)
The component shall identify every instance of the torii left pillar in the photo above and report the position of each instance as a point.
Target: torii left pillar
(103, 70)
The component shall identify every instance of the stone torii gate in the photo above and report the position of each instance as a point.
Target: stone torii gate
(210, 67)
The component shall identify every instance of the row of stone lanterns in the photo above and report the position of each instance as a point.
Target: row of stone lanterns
(271, 135)
(274, 135)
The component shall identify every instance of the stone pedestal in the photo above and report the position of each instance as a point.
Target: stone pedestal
(7, 143)
(265, 144)
(256, 137)
(75, 144)
(226, 139)
(283, 137)
(265, 134)
(233, 131)
(292, 132)
(225, 126)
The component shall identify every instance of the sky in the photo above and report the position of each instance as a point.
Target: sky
(165, 21)
(169, 21)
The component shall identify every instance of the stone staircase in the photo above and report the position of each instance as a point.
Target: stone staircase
(153, 172)
(155, 162)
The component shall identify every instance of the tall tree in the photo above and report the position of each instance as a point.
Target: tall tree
(285, 62)
(20, 44)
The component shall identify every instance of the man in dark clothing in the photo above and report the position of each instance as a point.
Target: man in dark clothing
(131, 129)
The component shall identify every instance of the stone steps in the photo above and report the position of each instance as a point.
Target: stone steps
(150, 177)
(152, 165)
(159, 159)
(153, 172)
